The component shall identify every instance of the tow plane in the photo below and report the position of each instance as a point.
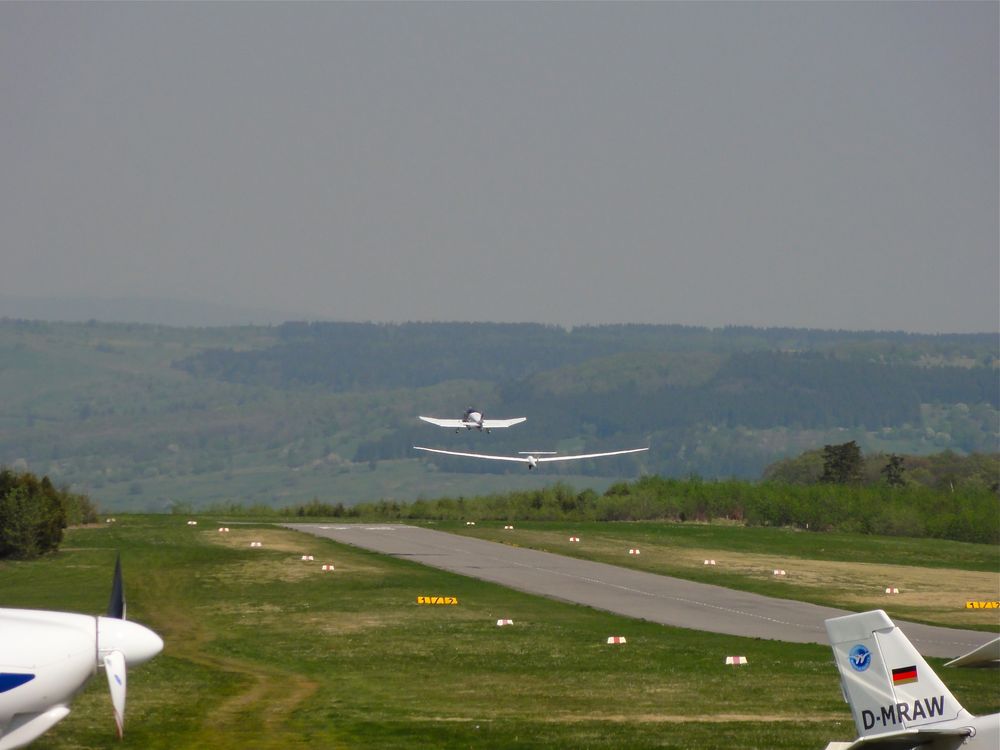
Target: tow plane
(474, 420)
(531, 459)
(47, 657)
(897, 700)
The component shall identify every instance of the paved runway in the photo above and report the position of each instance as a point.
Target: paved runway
(633, 593)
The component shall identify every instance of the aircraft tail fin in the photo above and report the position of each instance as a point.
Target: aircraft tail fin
(886, 681)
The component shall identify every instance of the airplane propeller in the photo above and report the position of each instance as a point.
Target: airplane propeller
(121, 643)
(51, 655)
(116, 605)
(114, 667)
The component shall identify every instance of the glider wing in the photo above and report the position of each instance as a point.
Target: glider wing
(589, 455)
(517, 459)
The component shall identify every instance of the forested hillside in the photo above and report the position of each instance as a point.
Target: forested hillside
(349, 356)
(151, 417)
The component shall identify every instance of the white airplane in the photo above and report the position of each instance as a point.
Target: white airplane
(474, 420)
(47, 657)
(532, 459)
(897, 700)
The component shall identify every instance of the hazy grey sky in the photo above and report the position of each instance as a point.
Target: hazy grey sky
(829, 165)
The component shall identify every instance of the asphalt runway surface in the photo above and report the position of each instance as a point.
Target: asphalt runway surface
(633, 593)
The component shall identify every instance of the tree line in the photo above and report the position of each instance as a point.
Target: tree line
(845, 464)
(968, 515)
(34, 513)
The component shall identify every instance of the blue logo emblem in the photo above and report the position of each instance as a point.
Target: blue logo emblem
(860, 658)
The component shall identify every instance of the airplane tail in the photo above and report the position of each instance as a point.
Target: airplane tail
(886, 681)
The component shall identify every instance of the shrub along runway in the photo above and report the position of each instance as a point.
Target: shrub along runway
(647, 596)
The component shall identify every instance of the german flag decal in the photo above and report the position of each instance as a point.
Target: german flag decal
(903, 675)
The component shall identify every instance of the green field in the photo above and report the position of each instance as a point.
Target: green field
(266, 651)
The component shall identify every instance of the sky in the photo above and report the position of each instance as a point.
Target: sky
(809, 164)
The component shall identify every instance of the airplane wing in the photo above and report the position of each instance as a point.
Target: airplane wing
(987, 655)
(494, 424)
(445, 422)
(589, 455)
(518, 459)
(906, 739)
(528, 459)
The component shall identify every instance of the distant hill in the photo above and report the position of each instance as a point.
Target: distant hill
(154, 417)
(165, 312)
(346, 356)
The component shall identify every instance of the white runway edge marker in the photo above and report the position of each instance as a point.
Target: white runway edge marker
(470, 523)
(508, 528)
(501, 623)
(779, 572)
(223, 529)
(709, 562)
(256, 544)
(574, 539)
(892, 590)
(736, 660)
(633, 552)
(192, 523)
(308, 557)
(614, 639)
(327, 567)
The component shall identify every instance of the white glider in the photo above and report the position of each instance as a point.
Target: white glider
(474, 420)
(531, 459)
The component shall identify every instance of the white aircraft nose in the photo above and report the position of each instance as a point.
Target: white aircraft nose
(136, 642)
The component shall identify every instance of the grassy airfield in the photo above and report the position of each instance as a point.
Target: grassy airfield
(264, 650)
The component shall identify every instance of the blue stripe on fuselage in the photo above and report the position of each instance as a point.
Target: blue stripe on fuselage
(11, 680)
